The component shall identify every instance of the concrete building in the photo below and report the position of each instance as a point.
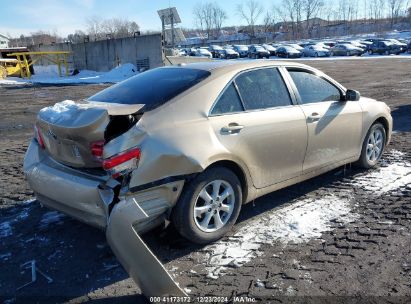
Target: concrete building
(4, 42)
(144, 51)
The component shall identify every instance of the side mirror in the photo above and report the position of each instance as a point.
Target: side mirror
(352, 95)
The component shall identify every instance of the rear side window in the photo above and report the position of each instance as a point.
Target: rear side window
(263, 88)
(229, 102)
(152, 88)
(313, 88)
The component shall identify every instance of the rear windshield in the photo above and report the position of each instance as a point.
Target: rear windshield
(152, 88)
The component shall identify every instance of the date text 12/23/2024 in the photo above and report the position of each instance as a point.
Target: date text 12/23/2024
(214, 299)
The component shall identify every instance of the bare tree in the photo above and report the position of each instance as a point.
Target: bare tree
(347, 11)
(219, 16)
(203, 13)
(269, 21)
(118, 28)
(394, 10)
(209, 17)
(291, 13)
(311, 9)
(250, 10)
(77, 37)
(98, 28)
(198, 16)
(93, 27)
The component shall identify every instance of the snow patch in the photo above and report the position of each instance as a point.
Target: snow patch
(62, 110)
(385, 179)
(5, 229)
(5, 256)
(29, 201)
(304, 219)
(297, 223)
(6, 226)
(259, 283)
(51, 217)
(49, 75)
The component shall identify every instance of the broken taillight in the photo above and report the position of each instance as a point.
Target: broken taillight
(97, 148)
(38, 137)
(122, 162)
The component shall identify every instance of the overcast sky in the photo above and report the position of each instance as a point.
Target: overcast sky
(65, 16)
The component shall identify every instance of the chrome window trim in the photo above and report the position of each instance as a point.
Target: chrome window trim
(338, 86)
(232, 80)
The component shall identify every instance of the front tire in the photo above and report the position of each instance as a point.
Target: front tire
(209, 206)
(373, 146)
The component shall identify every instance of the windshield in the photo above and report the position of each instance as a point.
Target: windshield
(242, 47)
(289, 49)
(152, 88)
(348, 46)
(216, 47)
(260, 48)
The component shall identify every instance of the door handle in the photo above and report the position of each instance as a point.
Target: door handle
(314, 117)
(232, 128)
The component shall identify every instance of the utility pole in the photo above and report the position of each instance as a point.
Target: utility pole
(172, 28)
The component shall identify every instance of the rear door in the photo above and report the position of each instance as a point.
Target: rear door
(334, 126)
(257, 122)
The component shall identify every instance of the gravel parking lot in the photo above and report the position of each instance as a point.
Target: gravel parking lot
(361, 251)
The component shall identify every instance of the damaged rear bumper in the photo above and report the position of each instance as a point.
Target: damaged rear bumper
(137, 259)
(68, 190)
(92, 199)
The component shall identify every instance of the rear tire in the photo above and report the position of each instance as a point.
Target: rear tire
(204, 213)
(373, 146)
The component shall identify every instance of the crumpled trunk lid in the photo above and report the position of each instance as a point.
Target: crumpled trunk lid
(69, 128)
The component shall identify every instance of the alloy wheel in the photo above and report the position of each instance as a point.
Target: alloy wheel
(214, 206)
(375, 146)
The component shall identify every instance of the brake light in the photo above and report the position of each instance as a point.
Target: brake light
(97, 148)
(122, 161)
(39, 138)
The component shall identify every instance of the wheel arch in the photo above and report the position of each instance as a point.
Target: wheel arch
(382, 120)
(238, 171)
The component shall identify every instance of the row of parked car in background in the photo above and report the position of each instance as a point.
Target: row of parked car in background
(303, 49)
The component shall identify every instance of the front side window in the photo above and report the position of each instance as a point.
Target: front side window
(313, 88)
(229, 102)
(262, 88)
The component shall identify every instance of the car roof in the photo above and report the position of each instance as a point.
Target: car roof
(214, 66)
